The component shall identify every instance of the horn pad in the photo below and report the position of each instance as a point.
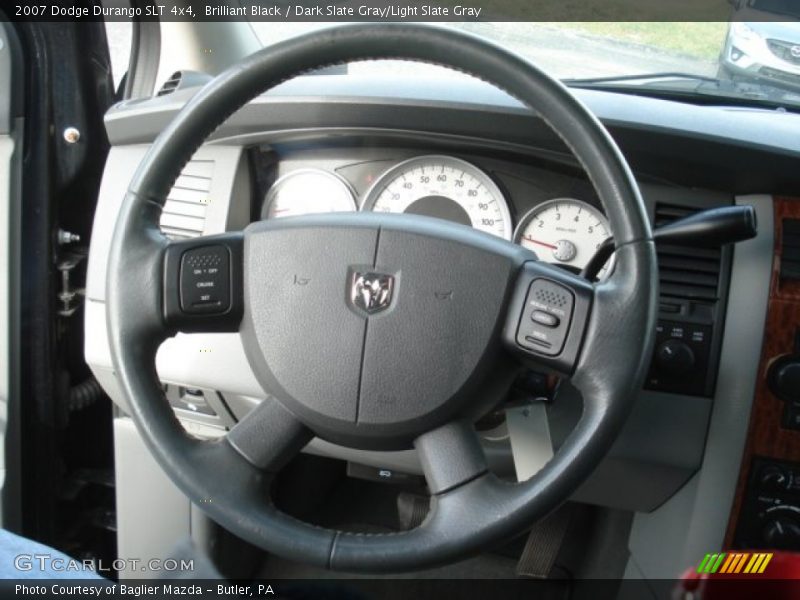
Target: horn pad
(371, 328)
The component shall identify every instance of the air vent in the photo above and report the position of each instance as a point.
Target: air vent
(171, 84)
(184, 214)
(790, 249)
(181, 80)
(684, 272)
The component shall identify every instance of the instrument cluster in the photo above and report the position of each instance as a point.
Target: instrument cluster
(563, 231)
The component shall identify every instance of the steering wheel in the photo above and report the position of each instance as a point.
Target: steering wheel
(379, 331)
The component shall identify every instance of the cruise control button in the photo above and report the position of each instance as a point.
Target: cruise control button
(544, 322)
(205, 280)
(545, 318)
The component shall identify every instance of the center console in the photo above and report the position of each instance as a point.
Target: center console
(770, 516)
(766, 510)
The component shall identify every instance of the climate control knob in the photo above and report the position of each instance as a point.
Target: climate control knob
(782, 533)
(674, 356)
(773, 479)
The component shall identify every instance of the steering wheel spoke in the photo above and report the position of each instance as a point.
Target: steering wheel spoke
(547, 316)
(451, 456)
(203, 290)
(269, 436)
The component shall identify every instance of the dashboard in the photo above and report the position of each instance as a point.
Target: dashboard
(345, 143)
(558, 218)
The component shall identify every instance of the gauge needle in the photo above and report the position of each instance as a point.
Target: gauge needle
(533, 241)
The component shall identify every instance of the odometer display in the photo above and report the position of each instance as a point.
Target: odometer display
(443, 187)
(565, 232)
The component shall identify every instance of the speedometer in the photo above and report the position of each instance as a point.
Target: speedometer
(444, 187)
(566, 232)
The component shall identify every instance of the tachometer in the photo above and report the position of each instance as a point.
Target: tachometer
(566, 232)
(445, 187)
(308, 191)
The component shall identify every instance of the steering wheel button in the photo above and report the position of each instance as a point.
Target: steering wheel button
(205, 280)
(545, 318)
(537, 341)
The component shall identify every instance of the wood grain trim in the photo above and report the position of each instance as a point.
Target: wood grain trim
(766, 437)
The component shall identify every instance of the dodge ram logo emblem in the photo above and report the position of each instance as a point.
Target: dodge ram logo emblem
(372, 292)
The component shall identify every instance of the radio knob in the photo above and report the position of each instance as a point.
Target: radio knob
(674, 355)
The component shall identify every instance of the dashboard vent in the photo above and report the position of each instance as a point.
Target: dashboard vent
(184, 213)
(181, 80)
(686, 272)
(171, 84)
(790, 249)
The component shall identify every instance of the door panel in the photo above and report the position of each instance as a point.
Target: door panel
(10, 150)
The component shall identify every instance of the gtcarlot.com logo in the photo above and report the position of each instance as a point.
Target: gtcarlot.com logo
(56, 564)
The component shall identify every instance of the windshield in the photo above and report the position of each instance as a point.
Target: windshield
(570, 50)
(754, 60)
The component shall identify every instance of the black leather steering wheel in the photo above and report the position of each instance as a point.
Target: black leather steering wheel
(379, 331)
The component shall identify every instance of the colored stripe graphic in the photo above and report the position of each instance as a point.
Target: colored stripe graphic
(767, 558)
(740, 563)
(717, 563)
(726, 566)
(752, 563)
(735, 562)
(708, 563)
(759, 560)
(702, 567)
(711, 563)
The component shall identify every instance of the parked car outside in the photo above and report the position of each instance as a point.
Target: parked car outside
(762, 44)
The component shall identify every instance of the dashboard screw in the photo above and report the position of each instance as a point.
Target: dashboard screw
(67, 237)
(71, 135)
